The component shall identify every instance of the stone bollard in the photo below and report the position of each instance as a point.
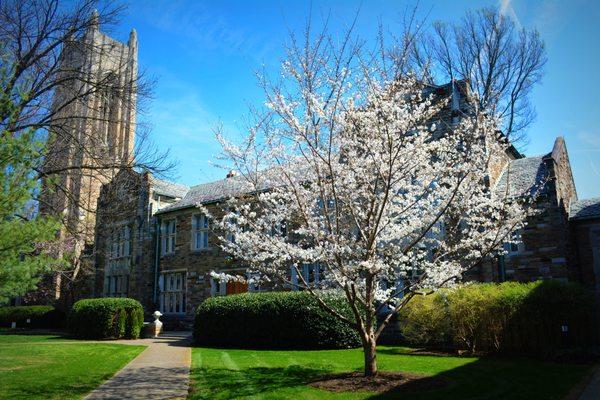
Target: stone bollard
(156, 325)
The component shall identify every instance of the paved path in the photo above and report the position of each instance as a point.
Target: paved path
(159, 372)
(592, 389)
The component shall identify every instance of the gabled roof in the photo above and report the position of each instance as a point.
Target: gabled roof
(211, 192)
(523, 176)
(585, 209)
(170, 189)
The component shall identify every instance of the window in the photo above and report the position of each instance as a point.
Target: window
(172, 292)
(169, 232)
(220, 287)
(279, 229)
(118, 250)
(312, 274)
(515, 246)
(254, 283)
(124, 242)
(116, 286)
(199, 232)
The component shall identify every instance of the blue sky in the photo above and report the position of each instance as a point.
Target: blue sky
(203, 55)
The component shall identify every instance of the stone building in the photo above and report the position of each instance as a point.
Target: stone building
(94, 132)
(584, 231)
(91, 137)
(126, 235)
(151, 242)
(170, 249)
(541, 250)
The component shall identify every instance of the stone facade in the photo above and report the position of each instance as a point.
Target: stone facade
(542, 249)
(126, 235)
(172, 250)
(585, 242)
(152, 243)
(100, 128)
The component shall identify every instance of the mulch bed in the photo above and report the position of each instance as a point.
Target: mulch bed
(384, 382)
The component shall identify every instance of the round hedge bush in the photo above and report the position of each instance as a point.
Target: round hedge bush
(274, 320)
(38, 316)
(105, 318)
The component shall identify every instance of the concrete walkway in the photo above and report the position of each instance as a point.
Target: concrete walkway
(592, 388)
(159, 372)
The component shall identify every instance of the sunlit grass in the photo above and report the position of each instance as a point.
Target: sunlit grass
(52, 367)
(256, 374)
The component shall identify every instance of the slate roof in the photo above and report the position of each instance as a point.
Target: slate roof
(211, 192)
(584, 209)
(524, 176)
(170, 189)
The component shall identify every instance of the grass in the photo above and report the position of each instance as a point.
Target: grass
(52, 367)
(256, 374)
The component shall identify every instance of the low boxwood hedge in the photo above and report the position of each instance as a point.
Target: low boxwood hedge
(106, 318)
(38, 317)
(536, 318)
(274, 320)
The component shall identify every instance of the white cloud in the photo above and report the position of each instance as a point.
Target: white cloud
(590, 138)
(506, 9)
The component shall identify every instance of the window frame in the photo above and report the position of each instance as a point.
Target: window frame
(200, 229)
(169, 236)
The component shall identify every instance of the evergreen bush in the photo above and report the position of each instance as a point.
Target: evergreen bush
(38, 316)
(105, 318)
(274, 320)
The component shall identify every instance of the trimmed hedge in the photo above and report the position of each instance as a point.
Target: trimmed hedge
(105, 318)
(38, 316)
(274, 320)
(511, 317)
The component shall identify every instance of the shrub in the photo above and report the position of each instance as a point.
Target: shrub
(511, 317)
(274, 320)
(106, 318)
(424, 321)
(38, 316)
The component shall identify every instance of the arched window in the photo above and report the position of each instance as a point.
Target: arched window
(108, 109)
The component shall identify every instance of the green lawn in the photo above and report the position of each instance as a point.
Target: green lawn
(256, 374)
(52, 367)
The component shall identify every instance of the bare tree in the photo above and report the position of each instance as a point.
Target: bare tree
(80, 91)
(501, 61)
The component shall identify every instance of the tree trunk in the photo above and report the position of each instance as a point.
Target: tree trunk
(370, 350)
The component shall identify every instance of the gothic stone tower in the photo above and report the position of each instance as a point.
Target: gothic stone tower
(93, 136)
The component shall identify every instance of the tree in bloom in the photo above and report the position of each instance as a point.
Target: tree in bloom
(351, 169)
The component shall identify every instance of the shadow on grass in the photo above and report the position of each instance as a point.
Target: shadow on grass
(485, 378)
(407, 351)
(497, 378)
(228, 384)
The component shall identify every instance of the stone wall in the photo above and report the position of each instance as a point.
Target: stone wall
(563, 176)
(90, 135)
(545, 251)
(125, 202)
(586, 252)
(197, 264)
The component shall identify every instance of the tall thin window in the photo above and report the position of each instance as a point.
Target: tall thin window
(169, 233)
(200, 232)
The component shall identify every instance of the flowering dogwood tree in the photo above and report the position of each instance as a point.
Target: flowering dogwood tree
(352, 169)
